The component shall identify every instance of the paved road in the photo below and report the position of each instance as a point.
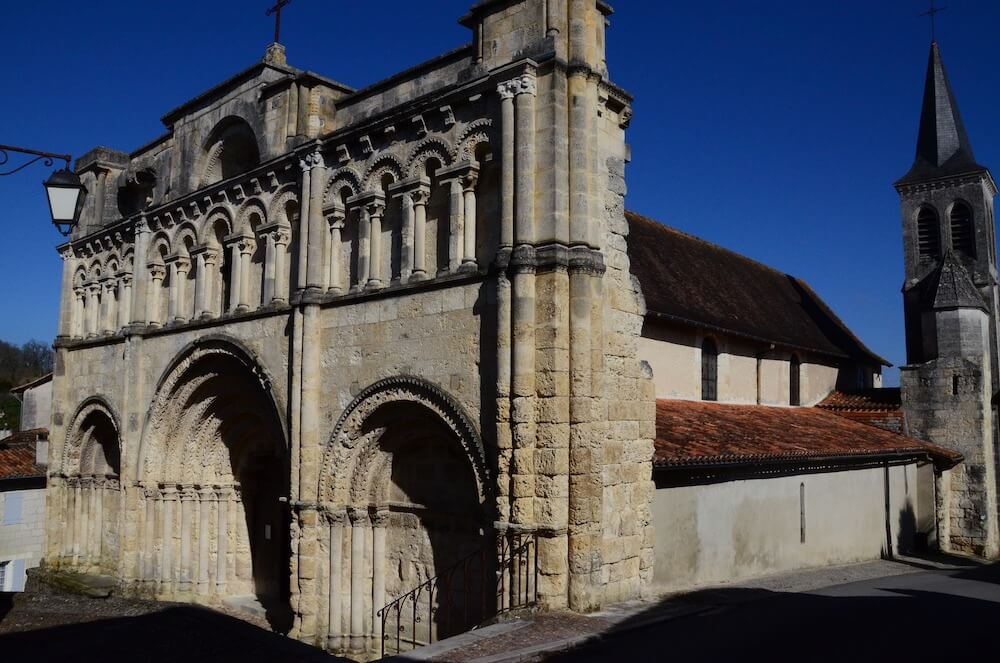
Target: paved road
(933, 614)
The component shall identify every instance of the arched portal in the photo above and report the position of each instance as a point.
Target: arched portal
(406, 488)
(216, 477)
(92, 465)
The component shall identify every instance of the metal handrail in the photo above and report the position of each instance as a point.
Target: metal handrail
(516, 586)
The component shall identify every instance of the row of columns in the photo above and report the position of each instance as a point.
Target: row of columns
(87, 503)
(364, 532)
(413, 196)
(207, 300)
(101, 307)
(183, 525)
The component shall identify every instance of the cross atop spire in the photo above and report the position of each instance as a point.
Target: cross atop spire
(276, 12)
(931, 13)
(943, 146)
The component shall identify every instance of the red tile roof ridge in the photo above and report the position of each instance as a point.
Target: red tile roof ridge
(705, 433)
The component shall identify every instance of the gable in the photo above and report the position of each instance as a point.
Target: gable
(688, 280)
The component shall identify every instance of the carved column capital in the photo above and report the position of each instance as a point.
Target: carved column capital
(157, 272)
(358, 516)
(506, 89)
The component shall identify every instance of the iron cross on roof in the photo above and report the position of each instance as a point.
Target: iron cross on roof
(276, 12)
(931, 13)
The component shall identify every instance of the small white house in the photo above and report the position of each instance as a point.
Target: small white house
(23, 459)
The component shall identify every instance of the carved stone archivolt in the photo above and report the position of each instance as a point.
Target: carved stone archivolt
(352, 454)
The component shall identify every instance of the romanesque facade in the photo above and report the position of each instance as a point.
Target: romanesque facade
(317, 344)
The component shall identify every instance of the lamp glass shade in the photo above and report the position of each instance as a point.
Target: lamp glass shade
(65, 193)
(62, 203)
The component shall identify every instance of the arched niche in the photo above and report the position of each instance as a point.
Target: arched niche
(230, 150)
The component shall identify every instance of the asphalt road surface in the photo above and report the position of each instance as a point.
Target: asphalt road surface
(939, 615)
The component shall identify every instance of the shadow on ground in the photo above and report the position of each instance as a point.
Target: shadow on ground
(927, 615)
(176, 633)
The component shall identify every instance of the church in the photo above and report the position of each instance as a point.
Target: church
(383, 363)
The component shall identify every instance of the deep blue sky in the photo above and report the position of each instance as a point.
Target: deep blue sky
(774, 128)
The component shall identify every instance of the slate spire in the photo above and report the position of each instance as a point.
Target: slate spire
(943, 146)
(954, 287)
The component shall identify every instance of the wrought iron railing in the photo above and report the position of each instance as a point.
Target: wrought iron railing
(477, 588)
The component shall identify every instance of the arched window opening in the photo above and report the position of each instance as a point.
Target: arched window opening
(963, 234)
(709, 370)
(794, 375)
(928, 234)
(231, 150)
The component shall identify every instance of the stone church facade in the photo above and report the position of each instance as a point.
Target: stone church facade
(316, 344)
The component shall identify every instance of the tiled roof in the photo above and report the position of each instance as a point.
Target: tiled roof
(692, 281)
(17, 455)
(886, 399)
(695, 433)
(881, 407)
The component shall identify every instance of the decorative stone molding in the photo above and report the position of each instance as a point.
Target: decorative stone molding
(351, 446)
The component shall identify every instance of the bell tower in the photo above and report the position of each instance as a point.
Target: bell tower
(950, 301)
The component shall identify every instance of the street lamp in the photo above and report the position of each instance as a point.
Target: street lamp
(63, 189)
(65, 194)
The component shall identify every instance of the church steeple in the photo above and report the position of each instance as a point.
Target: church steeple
(943, 146)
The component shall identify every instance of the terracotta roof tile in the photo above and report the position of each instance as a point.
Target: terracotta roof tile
(692, 281)
(692, 433)
(17, 455)
(864, 400)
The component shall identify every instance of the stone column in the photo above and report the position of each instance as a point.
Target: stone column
(187, 531)
(247, 246)
(68, 533)
(406, 237)
(419, 197)
(79, 312)
(375, 210)
(506, 91)
(524, 200)
(336, 223)
(222, 540)
(359, 523)
(148, 574)
(379, 522)
(282, 236)
(79, 527)
(169, 492)
(93, 309)
(235, 276)
(317, 233)
(66, 296)
(267, 294)
(456, 202)
(179, 267)
(306, 165)
(142, 285)
(107, 322)
(89, 510)
(156, 274)
(364, 246)
(207, 276)
(199, 282)
(206, 496)
(336, 603)
(125, 300)
(98, 534)
(469, 220)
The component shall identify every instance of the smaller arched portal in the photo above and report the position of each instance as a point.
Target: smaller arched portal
(406, 488)
(213, 467)
(92, 469)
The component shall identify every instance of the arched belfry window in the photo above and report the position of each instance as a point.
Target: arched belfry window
(928, 234)
(709, 370)
(794, 381)
(963, 234)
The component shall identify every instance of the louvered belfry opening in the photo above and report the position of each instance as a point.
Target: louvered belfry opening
(963, 234)
(928, 234)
